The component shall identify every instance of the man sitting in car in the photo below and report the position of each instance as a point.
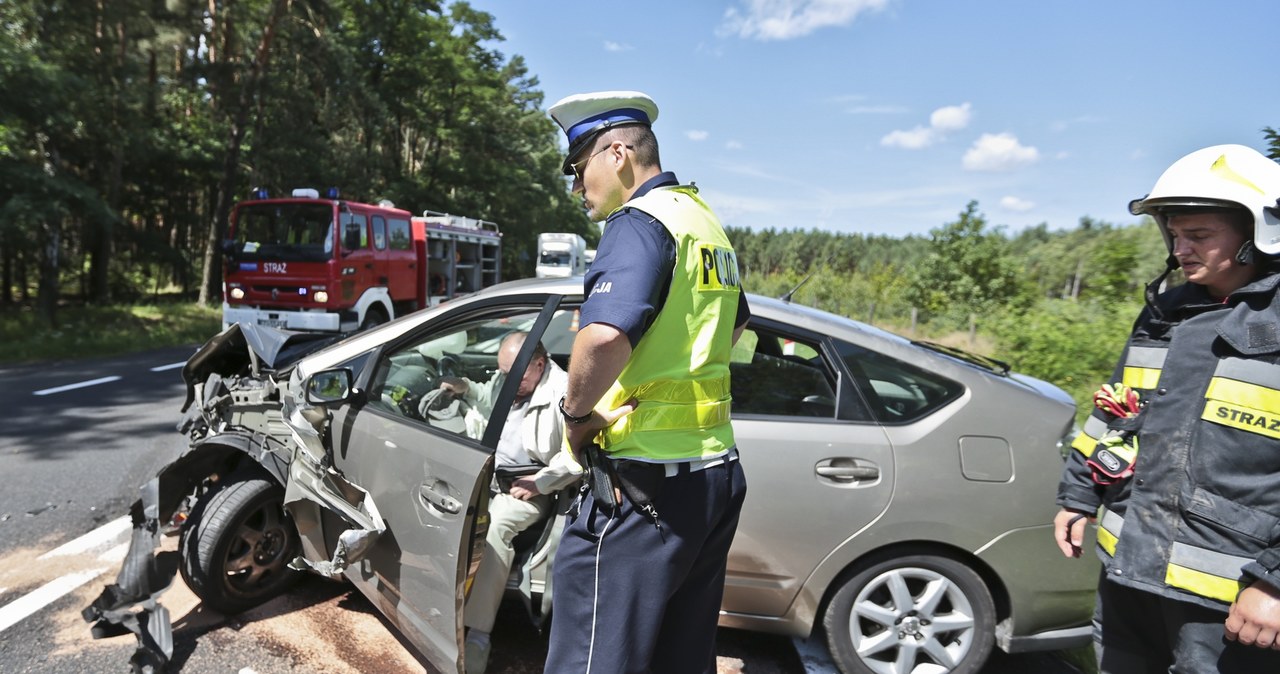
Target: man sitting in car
(532, 434)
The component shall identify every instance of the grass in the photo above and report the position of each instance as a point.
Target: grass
(89, 331)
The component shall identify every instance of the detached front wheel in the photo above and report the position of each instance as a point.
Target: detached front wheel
(235, 553)
(916, 614)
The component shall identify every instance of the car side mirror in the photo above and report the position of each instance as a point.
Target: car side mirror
(331, 386)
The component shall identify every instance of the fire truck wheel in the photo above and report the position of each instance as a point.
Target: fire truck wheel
(236, 550)
(373, 317)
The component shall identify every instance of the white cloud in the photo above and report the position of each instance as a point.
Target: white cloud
(1016, 204)
(696, 135)
(999, 152)
(787, 19)
(617, 46)
(914, 139)
(941, 121)
(733, 145)
(951, 118)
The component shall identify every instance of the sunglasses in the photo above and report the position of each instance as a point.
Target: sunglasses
(579, 171)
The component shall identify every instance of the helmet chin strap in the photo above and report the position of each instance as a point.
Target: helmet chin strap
(1153, 288)
(1244, 257)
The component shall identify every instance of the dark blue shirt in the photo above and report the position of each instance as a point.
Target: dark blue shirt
(628, 281)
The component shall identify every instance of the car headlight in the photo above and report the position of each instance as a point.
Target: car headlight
(321, 296)
(237, 293)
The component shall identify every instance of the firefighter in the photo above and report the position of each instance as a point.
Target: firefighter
(641, 566)
(1180, 461)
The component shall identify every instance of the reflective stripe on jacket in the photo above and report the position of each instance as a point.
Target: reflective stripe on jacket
(1200, 517)
(679, 371)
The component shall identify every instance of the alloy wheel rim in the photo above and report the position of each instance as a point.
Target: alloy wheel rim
(912, 620)
(257, 553)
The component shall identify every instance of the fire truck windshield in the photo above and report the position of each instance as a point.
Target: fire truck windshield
(302, 232)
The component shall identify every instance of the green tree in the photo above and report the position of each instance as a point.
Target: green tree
(968, 270)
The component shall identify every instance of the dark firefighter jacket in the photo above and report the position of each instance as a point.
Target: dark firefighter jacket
(1200, 517)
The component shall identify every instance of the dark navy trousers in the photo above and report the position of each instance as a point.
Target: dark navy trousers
(1137, 632)
(632, 598)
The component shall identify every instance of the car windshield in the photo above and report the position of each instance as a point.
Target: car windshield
(289, 232)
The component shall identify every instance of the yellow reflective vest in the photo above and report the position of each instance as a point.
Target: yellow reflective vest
(679, 371)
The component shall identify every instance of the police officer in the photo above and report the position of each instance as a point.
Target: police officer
(1187, 471)
(638, 584)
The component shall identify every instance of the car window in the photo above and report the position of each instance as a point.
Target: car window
(778, 374)
(896, 391)
(408, 380)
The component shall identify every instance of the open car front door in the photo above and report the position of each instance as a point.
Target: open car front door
(404, 509)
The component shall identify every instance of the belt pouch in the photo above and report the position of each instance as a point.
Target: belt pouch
(600, 475)
(641, 481)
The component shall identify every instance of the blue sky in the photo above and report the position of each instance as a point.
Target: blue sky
(888, 116)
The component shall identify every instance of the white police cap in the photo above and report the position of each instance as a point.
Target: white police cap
(584, 116)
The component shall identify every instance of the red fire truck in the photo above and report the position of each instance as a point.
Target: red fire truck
(311, 263)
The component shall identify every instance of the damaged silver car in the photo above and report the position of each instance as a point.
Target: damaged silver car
(901, 492)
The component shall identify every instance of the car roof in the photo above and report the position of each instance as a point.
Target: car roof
(804, 317)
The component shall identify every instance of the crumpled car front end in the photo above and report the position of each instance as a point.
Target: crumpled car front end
(248, 433)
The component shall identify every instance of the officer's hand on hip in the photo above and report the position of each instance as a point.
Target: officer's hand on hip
(1254, 618)
(580, 435)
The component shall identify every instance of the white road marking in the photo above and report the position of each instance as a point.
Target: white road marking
(115, 554)
(44, 595)
(105, 535)
(100, 537)
(69, 387)
(170, 366)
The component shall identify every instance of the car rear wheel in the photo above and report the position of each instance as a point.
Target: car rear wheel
(916, 614)
(236, 550)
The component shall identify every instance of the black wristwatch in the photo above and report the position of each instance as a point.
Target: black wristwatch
(572, 419)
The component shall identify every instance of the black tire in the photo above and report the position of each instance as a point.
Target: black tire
(374, 317)
(909, 615)
(235, 552)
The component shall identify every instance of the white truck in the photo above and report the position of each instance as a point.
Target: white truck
(561, 254)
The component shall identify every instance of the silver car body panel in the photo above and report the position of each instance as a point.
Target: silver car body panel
(311, 482)
(395, 506)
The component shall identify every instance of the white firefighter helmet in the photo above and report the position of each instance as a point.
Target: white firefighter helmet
(1222, 176)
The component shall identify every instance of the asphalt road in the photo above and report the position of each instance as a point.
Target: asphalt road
(76, 441)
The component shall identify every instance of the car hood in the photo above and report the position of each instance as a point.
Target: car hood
(245, 348)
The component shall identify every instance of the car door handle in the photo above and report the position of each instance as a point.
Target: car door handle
(848, 472)
(444, 502)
